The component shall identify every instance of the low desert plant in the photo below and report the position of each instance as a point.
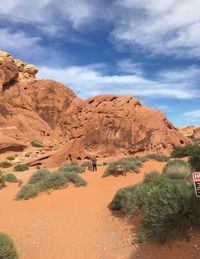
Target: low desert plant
(170, 210)
(72, 167)
(148, 177)
(2, 181)
(177, 169)
(105, 163)
(36, 143)
(187, 150)
(158, 157)
(10, 158)
(28, 191)
(87, 165)
(130, 164)
(129, 199)
(5, 164)
(194, 160)
(43, 180)
(10, 178)
(21, 168)
(7, 247)
(38, 176)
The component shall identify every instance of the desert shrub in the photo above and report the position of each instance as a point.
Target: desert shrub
(5, 164)
(184, 151)
(196, 140)
(44, 180)
(10, 158)
(27, 154)
(7, 247)
(38, 176)
(194, 160)
(54, 180)
(158, 157)
(10, 178)
(129, 164)
(87, 165)
(36, 143)
(21, 168)
(169, 210)
(129, 199)
(72, 167)
(177, 169)
(148, 177)
(105, 163)
(75, 178)
(28, 191)
(2, 181)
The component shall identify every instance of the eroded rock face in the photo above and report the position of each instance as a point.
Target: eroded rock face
(108, 125)
(196, 133)
(103, 125)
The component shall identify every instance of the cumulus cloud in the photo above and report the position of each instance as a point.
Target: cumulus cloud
(194, 114)
(169, 27)
(87, 81)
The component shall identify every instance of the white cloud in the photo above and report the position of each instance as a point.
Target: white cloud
(129, 67)
(88, 81)
(195, 114)
(170, 27)
(17, 41)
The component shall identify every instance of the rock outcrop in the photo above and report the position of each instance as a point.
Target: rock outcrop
(103, 125)
(196, 133)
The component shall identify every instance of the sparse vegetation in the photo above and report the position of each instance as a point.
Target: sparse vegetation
(21, 168)
(158, 157)
(170, 210)
(187, 150)
(177, 169)
(10, 178)
(43, 180)
(169, 206)
(36, 143)
(7, 247)
(87, 165)
(194, 160)
(72, 167)
(10, 158)
(2, 181)
(129, 164)
(5, 164)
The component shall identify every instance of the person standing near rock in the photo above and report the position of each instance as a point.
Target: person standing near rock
(94, 163)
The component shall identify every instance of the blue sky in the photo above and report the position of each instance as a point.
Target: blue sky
(145, 48)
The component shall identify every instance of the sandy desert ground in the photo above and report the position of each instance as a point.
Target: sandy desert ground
(75, 223)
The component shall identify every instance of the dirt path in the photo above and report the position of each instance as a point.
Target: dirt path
(73, 223)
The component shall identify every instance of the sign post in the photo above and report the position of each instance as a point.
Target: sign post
(196, 181)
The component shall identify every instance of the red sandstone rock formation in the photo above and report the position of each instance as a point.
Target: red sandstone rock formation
(196, 133)
(102, 125)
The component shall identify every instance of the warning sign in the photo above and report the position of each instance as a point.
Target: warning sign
(196, 180)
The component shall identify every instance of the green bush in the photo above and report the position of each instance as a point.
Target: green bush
(158, 157)
(72, 167)
(43, 180)
(87, 165)
(194, 160)
(2, 181)
(187, 150)
(148, 177)
(5, 164)
(28, 191)
(177, 169)
(10, 158)
(7, 247)
(129, 199)
(129, 164)
(10, 178)
(169, 210)
(36, 143)
(38, 176)
(21, 168)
